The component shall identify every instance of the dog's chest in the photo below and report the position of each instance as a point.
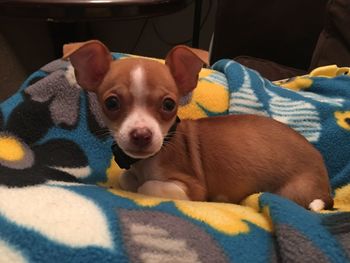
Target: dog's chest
(149, 169)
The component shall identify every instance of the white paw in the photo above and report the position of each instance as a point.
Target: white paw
(317, 205)
(171, 190)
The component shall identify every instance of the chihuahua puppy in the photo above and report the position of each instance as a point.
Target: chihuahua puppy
(212, 159)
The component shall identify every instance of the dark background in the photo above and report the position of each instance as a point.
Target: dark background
(27, 44)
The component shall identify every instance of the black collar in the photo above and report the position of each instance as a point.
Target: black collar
(124, 161)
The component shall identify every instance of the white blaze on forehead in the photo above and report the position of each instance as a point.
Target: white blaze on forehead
(138, 84)
(139, 117)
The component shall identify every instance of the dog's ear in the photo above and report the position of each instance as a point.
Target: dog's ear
(91, 61)
(185, 63)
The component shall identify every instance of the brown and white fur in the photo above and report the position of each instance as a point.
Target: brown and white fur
(211, 159)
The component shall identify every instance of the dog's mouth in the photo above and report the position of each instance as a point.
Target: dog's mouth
(140, 146)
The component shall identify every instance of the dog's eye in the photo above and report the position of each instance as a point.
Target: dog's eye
(112, 103)
(168, 105)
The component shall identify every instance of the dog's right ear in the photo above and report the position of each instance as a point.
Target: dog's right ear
(91, 61)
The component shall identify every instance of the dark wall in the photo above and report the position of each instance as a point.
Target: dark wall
(26, 45)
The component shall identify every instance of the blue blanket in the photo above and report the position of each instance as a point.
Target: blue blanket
(59, 196)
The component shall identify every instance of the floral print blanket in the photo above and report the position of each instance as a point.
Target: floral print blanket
(59, 195)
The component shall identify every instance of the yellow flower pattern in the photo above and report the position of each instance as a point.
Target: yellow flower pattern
(343, 119)
(11, 149)
(296, 84)
(229, 219)
(342, 199)
(208, 98)
(304, 82)
(226, 218)
(113, 172)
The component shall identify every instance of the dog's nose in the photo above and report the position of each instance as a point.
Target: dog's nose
(141, 137)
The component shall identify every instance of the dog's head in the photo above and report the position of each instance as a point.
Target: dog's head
(139, 97)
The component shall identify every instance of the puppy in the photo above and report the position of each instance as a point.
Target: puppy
(211, 159)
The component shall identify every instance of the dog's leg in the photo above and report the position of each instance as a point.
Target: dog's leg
(308, 192)
(128, 181)
(164, 189)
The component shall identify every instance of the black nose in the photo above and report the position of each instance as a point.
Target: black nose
(141, 137)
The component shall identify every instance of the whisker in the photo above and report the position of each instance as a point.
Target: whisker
(102, 133)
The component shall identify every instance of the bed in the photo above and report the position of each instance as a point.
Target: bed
(59, 194)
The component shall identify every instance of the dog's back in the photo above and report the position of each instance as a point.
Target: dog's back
(244, 154)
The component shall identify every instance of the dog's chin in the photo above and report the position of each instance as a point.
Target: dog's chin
(141, 153)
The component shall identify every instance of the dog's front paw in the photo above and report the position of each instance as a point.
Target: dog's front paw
(128, 181)
(164, 189)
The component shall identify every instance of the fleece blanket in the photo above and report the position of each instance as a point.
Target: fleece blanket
(59, 194)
